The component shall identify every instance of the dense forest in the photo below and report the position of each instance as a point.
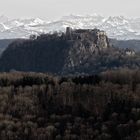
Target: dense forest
(37, 106)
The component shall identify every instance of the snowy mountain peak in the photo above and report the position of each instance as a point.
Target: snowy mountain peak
(74, 17)
(3, 27)
(120, 20)
(118, 27)
(39, 21)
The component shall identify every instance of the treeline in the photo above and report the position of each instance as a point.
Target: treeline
(36, 106)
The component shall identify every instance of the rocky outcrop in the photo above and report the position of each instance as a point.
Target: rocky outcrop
(86, 43)
(57, 53)
(102, 40)
(95, 36)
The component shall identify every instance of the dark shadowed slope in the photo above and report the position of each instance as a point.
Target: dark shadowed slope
(54, 53)
(4, 44)
(73, 52)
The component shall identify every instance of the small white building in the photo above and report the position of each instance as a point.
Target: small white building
(129, 52)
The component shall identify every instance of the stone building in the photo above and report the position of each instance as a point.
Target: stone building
(129, 52)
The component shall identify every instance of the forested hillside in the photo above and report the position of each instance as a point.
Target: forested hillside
(53, 52)
(35, 106)
(74, 52)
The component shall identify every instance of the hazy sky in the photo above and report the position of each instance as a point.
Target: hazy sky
(53, 9)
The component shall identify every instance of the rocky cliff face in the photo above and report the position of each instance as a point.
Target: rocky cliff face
(57, 53)
(86, 43)
(88, 37)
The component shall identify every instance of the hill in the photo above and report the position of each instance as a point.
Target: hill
(55, 52)
(73, 52)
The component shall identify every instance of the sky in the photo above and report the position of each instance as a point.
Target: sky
(54, 9)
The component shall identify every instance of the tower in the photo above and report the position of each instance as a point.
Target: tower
(69, 33)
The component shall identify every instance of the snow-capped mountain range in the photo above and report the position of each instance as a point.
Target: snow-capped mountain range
(117, 27)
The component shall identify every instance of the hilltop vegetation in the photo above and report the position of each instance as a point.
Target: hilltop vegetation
(35, 106)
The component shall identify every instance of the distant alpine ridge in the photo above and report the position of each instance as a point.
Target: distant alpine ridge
(117, 27)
